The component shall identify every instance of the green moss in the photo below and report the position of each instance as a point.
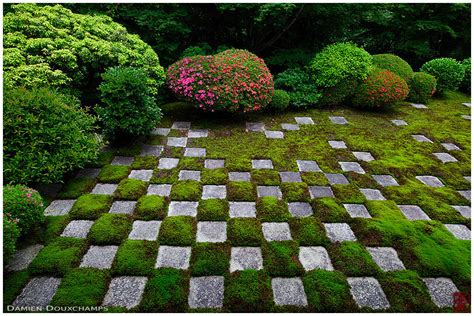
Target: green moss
(241, 191)
(113, 173)
(135, 257)
(348, 194)
(307, 231)
(352, 259)
(150, 207)
(362, 180)
(82, 287)
(110, 229)
(76, 187)
(271, 209)
(13, 283)
(165, 176)
(131, 189)
(213, 210)
(280, 258)
(210, 259)
(265, 177)
(173, 152)
(214, 176)
(191, 163)
(91, 206)
(166, 291)
(187, 190)
(128, 150)
(58, 257)
(295, 192)
(145, 162)
(442, 212)
(177, 231)
(327, 210)
(314, 178)
(103, 158)
(245, 231)
(238, 164)
(54, 227)
(248, 291)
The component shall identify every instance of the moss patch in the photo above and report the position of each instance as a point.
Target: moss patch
(214, 176)
(76, 187)
(307, 231)
(213, 210)
(110, 229)
(13, 283)
(244, 231)
(191, 163)
(131, 189)
(271, 209)
(165, 176)
(145, 162)
(91, 206)
(265, 177)
(327, 210)
(177, 231)
(281, 258)
(346, 193)
(295, 192)
(188, 190)
(210, 259)
(241, 191)
(135, 257)
(248, 291)
(150, 207)
(314, 178)
(352, 259)
(113, 173)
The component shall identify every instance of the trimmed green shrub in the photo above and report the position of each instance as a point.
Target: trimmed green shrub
(422, 87)
(110, 229)
(448, 72)
(297, 83)
(25, 205)
(381, 89)
(466, 81)
(338, 94)
(127, 107)
(131, 189)
(11, 232)
(280, 100)
(394, 64)
(90, 206)
(45, 135)
(150, 207)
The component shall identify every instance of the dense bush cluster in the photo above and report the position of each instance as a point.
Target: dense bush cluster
(422, 87)
(280, 101)
(297, 83)
(466, 81)
(232, 81)
(11, 232)
(448, 72)
(395, 64)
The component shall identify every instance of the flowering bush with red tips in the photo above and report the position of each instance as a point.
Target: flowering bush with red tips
(234, 80)
(381, 89)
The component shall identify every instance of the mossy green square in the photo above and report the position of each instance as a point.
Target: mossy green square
(271, 209)
(244, 231)
(213, 210)
(91, 206)
(151, 207)
(241, 191)
(327, 210)
(187, 190)
(210, 259)
(248, 291)
(130, 189)
(214, 176)
(76, 187)
(177, 231)
(135, 257)
(280, 258)
(113, 173)
(265, 177)
(307, 231)
(110, 229)
(295, 192)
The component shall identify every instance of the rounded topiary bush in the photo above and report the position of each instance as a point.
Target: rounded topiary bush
(11, 232)
(234, 80)
(466, 81)
(395, 64)
(422, 87)
(381, 89)
(338, 94)
(301, 90)
(280, 101)
(448, 72)
(46, 134)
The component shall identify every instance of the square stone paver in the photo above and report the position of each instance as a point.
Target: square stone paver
(173, 257)
(363, 156)
(337, 144)
(214, 192)
(372, 194)
(341, 120)
(255, 127)
(125, 291)
(336, 178)
(386, 258)
(168, 163)
(300, 209)
(123, 207)
(181, 125)
(308, 166)
(419, 106)
(413, 212)
(182, 208)
(431, 181)
(195, 152)
(214, 163)
(274, 134)
(122, 161)
(399, 122)
(445, 157)
(320, 192)
(312, 258)
(104, 188)
(160, 131)
(198, 133)
(465, 194)
(289, 291)
(338, 232)
(151, 150)
(88, 172)
(177, 141)
(290, 127)
(22, 258)
(367, 292)
(99, 257)
(245, 258)
(466, 117)
(304, 120)
(211, 232)
(239, 176)
(351, 166)
(468, 104)
(145, 230)
(242, 209)
(275, 191)
(276, 231)
(464, 210)
(38, 292)
(441, 291)
(206, 292)
(159, 189)
(450, 146)
(467, 178)
(144, 175)
(459, 231)
(59, 207)
(189, 175)
(357, 210)
(77, 229)
(262, 164)
(422, 138)
(385, 180)
(289, 176)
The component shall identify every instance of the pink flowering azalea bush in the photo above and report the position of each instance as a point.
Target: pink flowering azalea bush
(234, 80)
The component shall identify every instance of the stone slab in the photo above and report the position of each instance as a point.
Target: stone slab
(211, 232)
(214, 192)
(274, 134)
(336, 178)
(151, 150)
(274, 191)
(159, 189)
(168, 163)
(276, 231)
(419, 106)
(367, 292)
(182, 208)
(450, 146)
(189, 175)
(254, 127)
(290, 127)
(242, 209)
(262, 164)
(104, 188)
(214, 163)
(99, 257)
(386, 258)
(122, 161)
(160, 131)
(198, 133)
(289, 292)
(399, 122)
(353, 166)
(195, 152)
(300, 209)
(304, 121)
(459, 231)
(206, 292)
(465, 194)
(338, 232)
(173, 257)
(357, 210)
(125, 291)
(430, 181)
(59, 207)
(312, 258)
(88, 172)
(445, 157)
(341, 120)
(239, 176)
(421, 138)
(413, 212)
(144, 175)
(123, 207)
(320, 192)
(177, 141)
(337, 144)
(38, 292)
(22, 258)
(181, 125)
(288, 176)
(441, 291)
(145, 230)
(77, 229)
(464, 210)
(308, 166)
(385, 180)
(363, 156)
(245, 258)
(372, 194)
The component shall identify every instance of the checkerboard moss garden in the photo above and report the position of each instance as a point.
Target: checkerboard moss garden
(353, 198)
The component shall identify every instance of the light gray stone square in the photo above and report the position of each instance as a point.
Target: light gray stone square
(467, 178)
(211, 232)
(38, 292)
(189, 175)
(385, 180)
(160, 131)
(419, 106)
(159, 189)
(450, 146)
(195, 152)
(312, 258)
(399, 122)
(459, 231)
(77, 229)
(254, 127)
(300, 209)
(275, 191)
(274, 134)
(125, 291)
(308, 166)
(421, 139)
(320, 192)
(289, 291)
(262, 164)
(290, 127)
(288, 176)
(413, 212)
(177, 141)
(468, 104)
(337, 144)
(151, 150)
(357, 210)
(239, 176)
(304, 120)
(465, 194)
(338, 232)
(99, 257)
(182, 208)
(173, 257)
(466, 117)
(367, 292)
(245, 258)
(123, 207)
(445, 157)
(59, 207)
(206, 292)
(22, 258)
(242, 209)
(464, 210)
(122, 161)
(214, 163)
(144, 175)
(372, 194)
(181, 125)
(88, 172)
(386, 258)
(351, 166)
(104, 188)
(145, 230)
(214, 192)
(441, 291)
(276, 231)
(430, 181)
(336, 178)
(198, 133)
(341, 120)
(363, 156)
(168, 163)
